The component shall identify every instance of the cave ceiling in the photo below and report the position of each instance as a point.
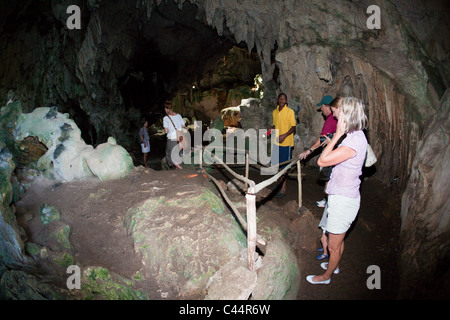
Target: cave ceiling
(129, 55)
(148, 59)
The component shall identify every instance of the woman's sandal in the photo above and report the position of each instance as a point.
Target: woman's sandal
(322, 256)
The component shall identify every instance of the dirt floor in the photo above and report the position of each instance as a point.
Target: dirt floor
(372, 240)
(99, 237)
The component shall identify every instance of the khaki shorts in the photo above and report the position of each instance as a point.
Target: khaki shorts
(341, 212)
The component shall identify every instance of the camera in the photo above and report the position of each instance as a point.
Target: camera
(322, 138)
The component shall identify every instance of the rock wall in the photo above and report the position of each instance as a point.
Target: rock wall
(425, 230)
(11, 244)
(309, 49)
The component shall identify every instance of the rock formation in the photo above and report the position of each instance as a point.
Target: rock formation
(425, 209)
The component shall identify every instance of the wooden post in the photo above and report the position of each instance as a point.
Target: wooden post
(251, 227)
(200, 157)
(246, 167)
(299, 178)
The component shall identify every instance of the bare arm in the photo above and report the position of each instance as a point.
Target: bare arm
(306, 153)
(330, 157)
(282, 137)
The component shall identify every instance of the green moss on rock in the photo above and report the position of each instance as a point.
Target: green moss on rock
(98, 281)
(62, 236)
(49, 213)
(64, 259)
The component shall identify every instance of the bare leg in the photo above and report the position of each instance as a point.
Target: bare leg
(176, 165)
(336, 249)
(324, 240)
(283, 186)
(145, 160)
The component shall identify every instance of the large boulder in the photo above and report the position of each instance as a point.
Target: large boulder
(68, 157)
(184, 241)
(279, 276)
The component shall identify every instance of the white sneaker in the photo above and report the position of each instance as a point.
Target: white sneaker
(324, 266)
(322, 203)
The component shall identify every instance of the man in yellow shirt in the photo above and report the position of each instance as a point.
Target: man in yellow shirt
(284, 122)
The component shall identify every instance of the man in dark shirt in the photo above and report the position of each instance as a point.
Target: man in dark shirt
(329, 128)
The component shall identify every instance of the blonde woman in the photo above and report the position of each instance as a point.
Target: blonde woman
(343, 187)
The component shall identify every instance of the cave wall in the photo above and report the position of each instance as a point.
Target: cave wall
(425, 229)
(84, 71)
(222, 85)
(319, 48)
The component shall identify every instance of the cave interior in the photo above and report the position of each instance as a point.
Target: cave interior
(129, 56)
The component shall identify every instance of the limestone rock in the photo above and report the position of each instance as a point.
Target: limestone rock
(279, 276)
(425, 246)
(109, 161)
(11, 244)
(20, 285)
(233, 281)
(184, 241)
(49, 213)
(100, 283)
(253, 114)
(68, 157)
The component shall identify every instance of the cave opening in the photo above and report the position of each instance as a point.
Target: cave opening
(178, 56)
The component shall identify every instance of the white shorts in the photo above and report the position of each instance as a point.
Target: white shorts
(342, 211)
(145, 149)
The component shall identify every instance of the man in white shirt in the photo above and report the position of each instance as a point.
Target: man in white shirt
(171, 122)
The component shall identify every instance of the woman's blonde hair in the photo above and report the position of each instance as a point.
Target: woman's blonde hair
(354, 115)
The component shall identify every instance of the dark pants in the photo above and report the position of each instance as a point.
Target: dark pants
(284, 154)
(171, 144)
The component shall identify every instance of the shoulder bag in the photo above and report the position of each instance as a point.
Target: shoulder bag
(183, 142)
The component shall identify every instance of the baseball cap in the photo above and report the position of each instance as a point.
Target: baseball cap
(325, 100)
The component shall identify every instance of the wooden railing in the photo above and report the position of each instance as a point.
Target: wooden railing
(249, 225)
